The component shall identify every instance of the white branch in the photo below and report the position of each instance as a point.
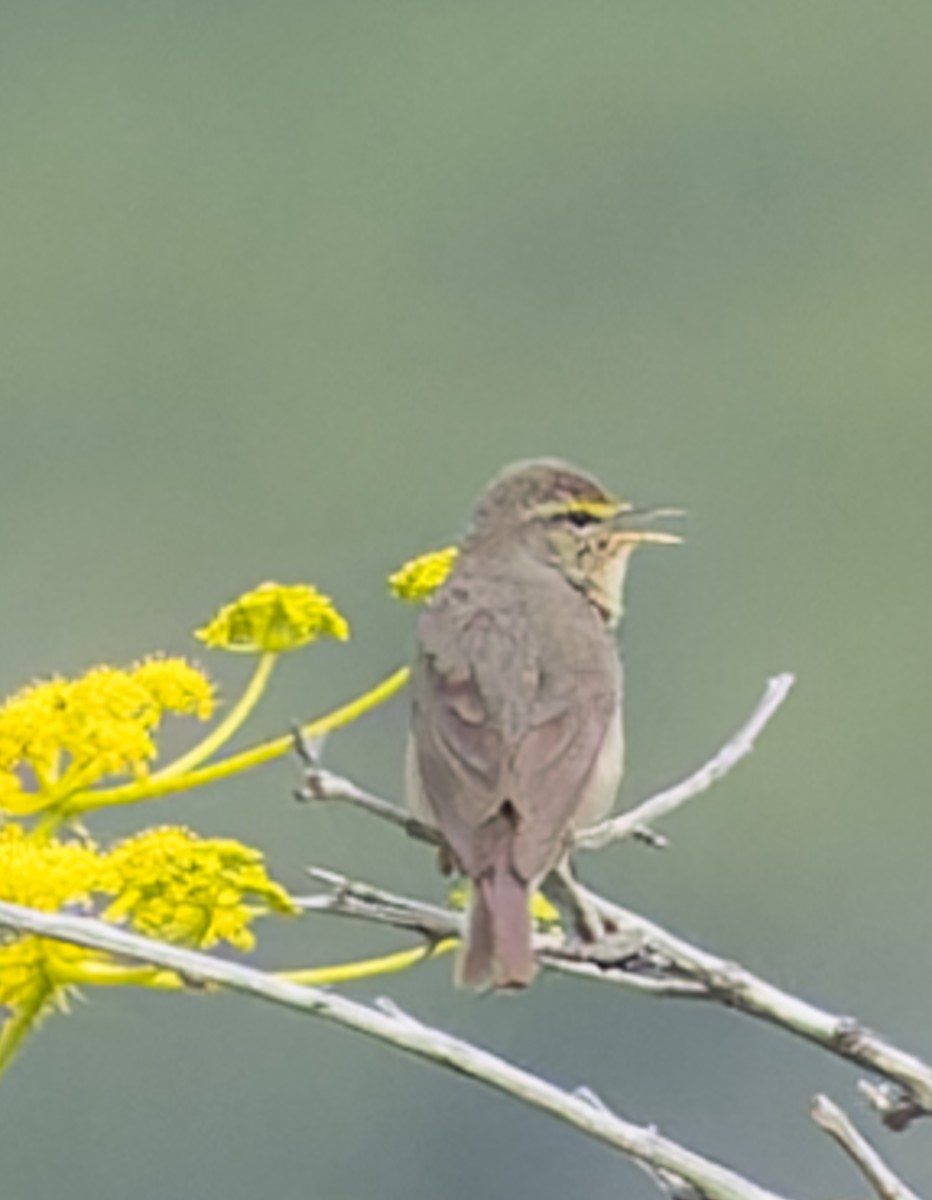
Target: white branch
(828, 1116)
(732, 985)
(640, 954)
(320, 784)
(350, 898)
(638, 820)
(389, 1025)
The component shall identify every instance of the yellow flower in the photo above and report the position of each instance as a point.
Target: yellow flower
(166, 883)
(542, 911)
(44, 875)
(181, 888)
(420, 577)
(273, 618)
(49, 874)
(32, 722)
(71, 733)
(177, 686)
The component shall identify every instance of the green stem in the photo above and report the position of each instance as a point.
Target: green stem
(366, 968)
(19, 1024)
(96, 973)
(228, 726)
(148, 789)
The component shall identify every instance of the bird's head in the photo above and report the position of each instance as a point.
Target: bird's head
(566, 518)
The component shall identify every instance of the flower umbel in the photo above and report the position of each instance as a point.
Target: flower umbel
(420, 577)
(173, 885)
(176, 685)
(48, 876)
(166, 882)
(64, 746)
(69, 733)
(273, 618)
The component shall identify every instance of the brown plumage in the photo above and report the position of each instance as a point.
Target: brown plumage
(515, 728)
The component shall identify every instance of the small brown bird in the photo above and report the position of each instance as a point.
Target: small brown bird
(516, 735)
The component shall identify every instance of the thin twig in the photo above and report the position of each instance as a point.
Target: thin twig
(352, 898)
(644, 1146)
(320, 784)
(637, 821)
(828, 1116)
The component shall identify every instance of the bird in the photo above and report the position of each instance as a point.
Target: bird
(515, 733)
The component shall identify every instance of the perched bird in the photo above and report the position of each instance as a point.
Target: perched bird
(516, 735)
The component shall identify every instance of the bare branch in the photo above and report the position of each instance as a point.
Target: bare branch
(730, 984)
(637, 953)
(637, 821)
(349, 898)
(828, 1116)
(645, 1146)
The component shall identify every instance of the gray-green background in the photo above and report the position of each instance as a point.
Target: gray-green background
(281, 285)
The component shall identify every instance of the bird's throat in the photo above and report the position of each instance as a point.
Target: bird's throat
(605, 583)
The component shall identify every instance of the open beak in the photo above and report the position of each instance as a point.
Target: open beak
(627, 526)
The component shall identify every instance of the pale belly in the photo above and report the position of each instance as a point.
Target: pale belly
(602, 786)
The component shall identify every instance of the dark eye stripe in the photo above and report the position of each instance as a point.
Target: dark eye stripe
(580, 518)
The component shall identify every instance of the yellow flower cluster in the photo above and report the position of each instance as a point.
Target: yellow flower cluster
(179, 887)
(176, 686)
(166, 882)
(47, 874)
(60, 738)
(420, 577)
(274, 618)
(70, 733)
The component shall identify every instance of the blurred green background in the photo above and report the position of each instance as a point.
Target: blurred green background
(282, 285)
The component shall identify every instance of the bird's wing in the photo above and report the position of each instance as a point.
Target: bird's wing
(553, 768)
(497, 742)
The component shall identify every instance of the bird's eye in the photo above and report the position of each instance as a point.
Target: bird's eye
(580, 518)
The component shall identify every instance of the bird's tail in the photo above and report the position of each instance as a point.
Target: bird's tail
(497, 952)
